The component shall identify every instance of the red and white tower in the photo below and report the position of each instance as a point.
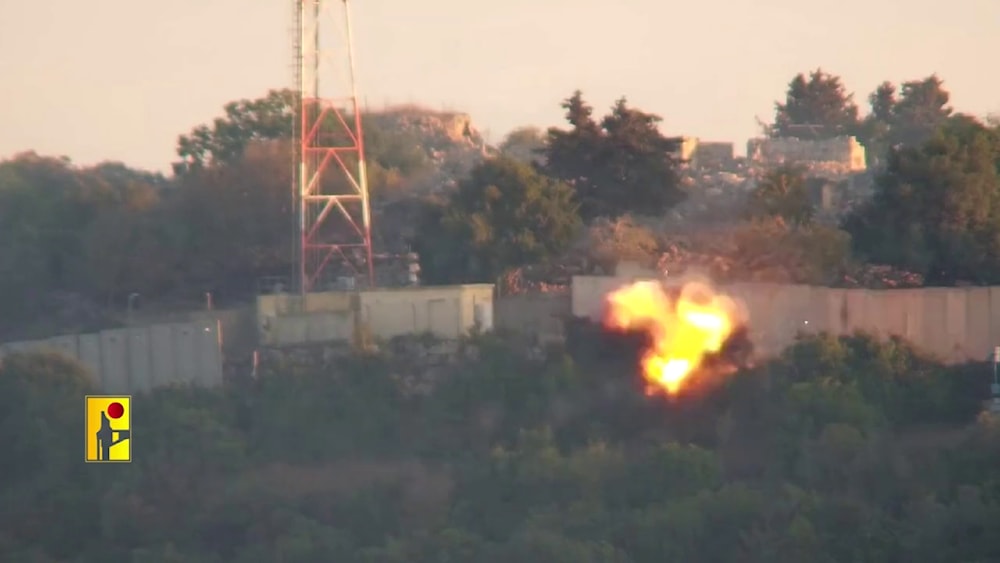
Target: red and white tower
(333, 217)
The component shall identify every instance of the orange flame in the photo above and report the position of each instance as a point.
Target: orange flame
(684, 328)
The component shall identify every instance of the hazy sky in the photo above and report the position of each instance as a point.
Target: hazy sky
(121, 79)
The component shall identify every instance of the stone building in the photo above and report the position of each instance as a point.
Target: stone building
(706, 154)
(843, 152)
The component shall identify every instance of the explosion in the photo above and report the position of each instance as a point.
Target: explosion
(687, 327)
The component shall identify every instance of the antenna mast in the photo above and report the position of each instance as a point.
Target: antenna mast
(330, 186)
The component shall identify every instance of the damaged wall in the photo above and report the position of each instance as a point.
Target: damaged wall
(846, 152)
(706, 154)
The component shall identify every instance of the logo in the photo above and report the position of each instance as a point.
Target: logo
(109, 429)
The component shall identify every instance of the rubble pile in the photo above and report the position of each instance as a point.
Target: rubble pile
(555, 278)
(876, 276)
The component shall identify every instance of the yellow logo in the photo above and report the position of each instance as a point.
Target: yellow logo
(109, 429)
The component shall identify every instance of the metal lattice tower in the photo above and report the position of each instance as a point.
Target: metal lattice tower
(330, 186)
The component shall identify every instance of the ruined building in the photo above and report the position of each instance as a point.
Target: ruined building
(706, 154)
(840, 154)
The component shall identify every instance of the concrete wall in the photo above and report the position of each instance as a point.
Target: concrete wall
(286, 319)
(446, 311)
(705, 153)
(237, 324)
(685, 150)
(954, 324)
(542, 314)
(841, 150)
(136, 360)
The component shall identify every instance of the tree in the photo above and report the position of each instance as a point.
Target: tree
(936, 209)
(232, 221)
(921, 109)
(117, 254)
(524, 144)
(908, 116)
(883, 102)
(41, 396)
(505, 215)
(48, 210)
(875, 128)
(608, 243)
(815, 107)
(782, 192)
(621, 165)
(570, 155)
(267, 118)
(396, 159)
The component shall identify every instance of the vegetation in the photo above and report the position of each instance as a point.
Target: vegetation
(505, 215)
(934, 210)
(937, 207)
(840, 450)
(77, 241)
(819, 106)
(619, 165)
(524, 144)
(782, 193)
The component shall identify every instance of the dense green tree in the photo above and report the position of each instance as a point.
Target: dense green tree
(782, 192)
(51, 214)
(817, 106)
(43, 475)
(524, 144)
(567, 153)
(47, 204)
(232, 221)
(874, 132)
(622, 164)
(908, 116)
(268, 118)
(922, 108)
(936, 209)
(505, 215)
(391, 154)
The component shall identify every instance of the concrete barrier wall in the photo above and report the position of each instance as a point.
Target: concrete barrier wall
(445, 311)
(542, 314)
(136, 360)
(954, 324)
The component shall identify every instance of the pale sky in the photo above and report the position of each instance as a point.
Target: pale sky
(121, 79)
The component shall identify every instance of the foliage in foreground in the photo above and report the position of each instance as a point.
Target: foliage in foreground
(840, 450)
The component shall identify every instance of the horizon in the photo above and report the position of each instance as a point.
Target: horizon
(130, 105)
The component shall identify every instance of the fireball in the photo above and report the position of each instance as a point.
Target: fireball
(684, 326)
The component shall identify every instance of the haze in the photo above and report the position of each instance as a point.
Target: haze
(120, 80)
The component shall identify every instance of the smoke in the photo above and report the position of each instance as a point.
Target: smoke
(736, 353)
